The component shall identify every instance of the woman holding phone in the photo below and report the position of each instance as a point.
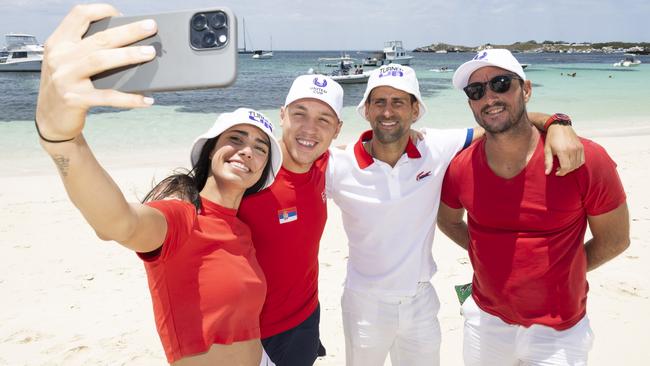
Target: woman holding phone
(206, 286)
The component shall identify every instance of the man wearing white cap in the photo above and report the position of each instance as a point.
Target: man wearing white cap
(388, 189)
(287, 222)
(529, 290)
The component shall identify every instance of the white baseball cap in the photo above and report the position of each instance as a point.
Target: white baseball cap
(242, 116)
(491, 57)
(319, 87)
(397, 76)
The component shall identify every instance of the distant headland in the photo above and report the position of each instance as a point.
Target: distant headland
(546, 46)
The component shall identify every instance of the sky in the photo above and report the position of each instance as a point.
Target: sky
(366, 25)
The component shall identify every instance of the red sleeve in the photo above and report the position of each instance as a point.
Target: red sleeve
(602, 187)
(180, 217)
(449, 194)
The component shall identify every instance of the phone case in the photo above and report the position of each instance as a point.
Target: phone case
(177, 65)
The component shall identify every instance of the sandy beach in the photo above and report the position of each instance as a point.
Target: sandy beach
(69, 298)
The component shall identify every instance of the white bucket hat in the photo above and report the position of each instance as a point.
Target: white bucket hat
(491, 57)
(242, 116)
(319, 87)
(397, 76)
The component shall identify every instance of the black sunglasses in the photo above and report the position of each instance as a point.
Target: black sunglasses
(498, 84)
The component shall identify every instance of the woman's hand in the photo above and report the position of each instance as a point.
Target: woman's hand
(66, 91)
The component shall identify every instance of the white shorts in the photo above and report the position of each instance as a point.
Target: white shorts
(488, 340)
(405, 326)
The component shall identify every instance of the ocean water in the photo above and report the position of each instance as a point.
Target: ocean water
(599, 98)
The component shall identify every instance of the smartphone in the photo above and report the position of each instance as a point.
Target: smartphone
(195, 49)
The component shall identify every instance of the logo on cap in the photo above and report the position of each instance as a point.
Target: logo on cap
(391, 71)
(481, 55)
(259, 118)
(317, 83)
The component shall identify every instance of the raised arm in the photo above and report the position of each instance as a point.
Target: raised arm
(65, 95)
(611, 236)
(450, 222)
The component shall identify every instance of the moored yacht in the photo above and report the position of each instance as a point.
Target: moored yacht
(394, 54)
(23, 53)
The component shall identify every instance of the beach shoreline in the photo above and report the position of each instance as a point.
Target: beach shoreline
(69, 298)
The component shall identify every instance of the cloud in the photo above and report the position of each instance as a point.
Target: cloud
(354, 25)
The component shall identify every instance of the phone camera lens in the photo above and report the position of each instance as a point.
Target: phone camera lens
(209, 30)
(209, 39)
(196, 40)
(221, 36)
(199, 22)
(218, 20)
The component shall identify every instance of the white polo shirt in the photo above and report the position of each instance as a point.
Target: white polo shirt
(389, 214)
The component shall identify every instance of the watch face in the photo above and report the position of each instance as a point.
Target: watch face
(561, 117)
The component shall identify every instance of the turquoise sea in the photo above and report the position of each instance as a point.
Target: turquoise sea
(601, 99)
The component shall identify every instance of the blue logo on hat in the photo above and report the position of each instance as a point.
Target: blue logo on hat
(259, 118)
(391, 71)
(322, 85)
(480, 55)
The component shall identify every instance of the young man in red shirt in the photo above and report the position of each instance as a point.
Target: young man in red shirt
(287, 221)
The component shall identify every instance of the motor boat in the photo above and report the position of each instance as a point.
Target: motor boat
(371, 61)
(442, 69)
(344, 61)
(345, 73)
(394, 54)
(628, 61)
(22, 53)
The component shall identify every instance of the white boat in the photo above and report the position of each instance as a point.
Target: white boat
(23, 53)
(370, 61)
(263, 55)
(352, 78)
(628, 61)
(345, 60)
(345, 73)
(394, 54)
(442, 69)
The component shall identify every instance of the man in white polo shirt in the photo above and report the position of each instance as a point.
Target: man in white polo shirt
(388, 189)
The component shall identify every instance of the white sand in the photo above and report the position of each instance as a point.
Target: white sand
(70, 299)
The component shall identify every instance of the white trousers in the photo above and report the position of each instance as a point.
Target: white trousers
(405, 326)
(490, 341)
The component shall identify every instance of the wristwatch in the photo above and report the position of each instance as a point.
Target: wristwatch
(558, 118)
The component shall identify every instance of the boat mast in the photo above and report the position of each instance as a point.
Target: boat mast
(244, 21)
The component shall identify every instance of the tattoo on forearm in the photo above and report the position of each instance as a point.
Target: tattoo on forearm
(62, 163)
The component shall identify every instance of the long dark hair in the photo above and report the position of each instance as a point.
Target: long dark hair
(186, 185)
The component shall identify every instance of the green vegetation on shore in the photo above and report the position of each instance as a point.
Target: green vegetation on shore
(642, 48)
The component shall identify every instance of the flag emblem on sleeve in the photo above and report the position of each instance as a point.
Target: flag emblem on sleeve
(287, 215)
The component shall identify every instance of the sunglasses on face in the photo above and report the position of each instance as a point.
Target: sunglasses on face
(498, 84)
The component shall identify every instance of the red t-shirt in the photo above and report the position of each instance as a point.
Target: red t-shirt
(206, 285)
(527, 232)
(287, 221)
